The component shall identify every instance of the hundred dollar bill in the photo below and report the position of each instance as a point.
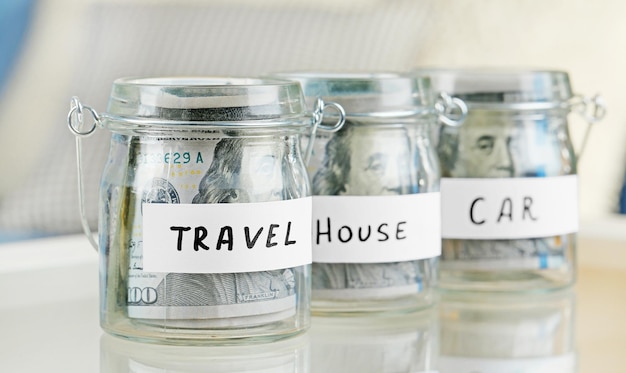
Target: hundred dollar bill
(224, 170)
(348, 281)
(487, 146)
(540, 253)
(362, 160)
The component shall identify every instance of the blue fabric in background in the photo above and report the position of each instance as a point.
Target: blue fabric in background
(15, 16)
(622, 198)
(6, 237)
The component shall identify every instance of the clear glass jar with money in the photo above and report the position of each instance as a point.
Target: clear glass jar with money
(205, 211)
(509, 180)
(507, 333)
(376, 210)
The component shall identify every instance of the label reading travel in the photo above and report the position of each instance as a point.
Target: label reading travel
(226, 238)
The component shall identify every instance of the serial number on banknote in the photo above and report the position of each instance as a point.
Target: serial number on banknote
(170, 158)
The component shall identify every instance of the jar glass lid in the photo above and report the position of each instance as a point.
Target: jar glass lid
(204, 99)
(368, 94)
(500, 88)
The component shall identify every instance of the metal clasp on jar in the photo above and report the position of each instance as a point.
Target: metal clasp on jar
(317, 117)
(592, 109)
(452, 111)
(75, 122)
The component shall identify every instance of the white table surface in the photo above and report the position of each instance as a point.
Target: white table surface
(49, 323)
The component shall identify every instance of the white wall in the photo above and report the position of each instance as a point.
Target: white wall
(585, 38)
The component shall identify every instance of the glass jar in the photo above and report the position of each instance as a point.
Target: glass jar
(376, 209)
(507, 333)
(509, 183)
(205, 210)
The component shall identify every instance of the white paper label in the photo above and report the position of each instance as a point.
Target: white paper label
(376, 229)
(555, 364)
(511, 208)
(226, 238)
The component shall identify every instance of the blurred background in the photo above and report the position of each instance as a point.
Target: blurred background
(51, 50)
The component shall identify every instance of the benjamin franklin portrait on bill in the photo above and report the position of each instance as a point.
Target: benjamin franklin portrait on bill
(487, 146)
(361, 161)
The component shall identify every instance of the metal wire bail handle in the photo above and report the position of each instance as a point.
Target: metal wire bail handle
(75, 121)
(318, 116)
(592, 110)
(452, 110)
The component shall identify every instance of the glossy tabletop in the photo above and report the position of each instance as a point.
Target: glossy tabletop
(49, 323)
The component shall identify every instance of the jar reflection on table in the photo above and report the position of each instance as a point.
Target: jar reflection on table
(125, 356)
(398, 343)
(505, 334)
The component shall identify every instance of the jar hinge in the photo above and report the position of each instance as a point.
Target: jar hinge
(317, 117)
(592, 109)
(452, 110)
(75, 121)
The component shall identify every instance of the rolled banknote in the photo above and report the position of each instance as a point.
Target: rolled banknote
(226, 170)
(360, 161)
(366, 280)
(543, 253)
(492, 146)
